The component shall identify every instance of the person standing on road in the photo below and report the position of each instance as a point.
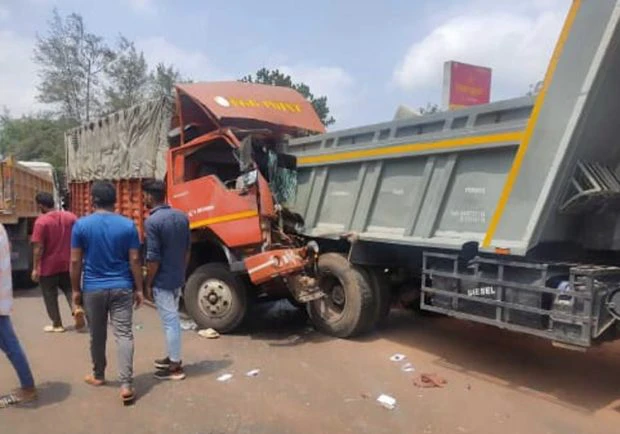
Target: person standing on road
(51, 245)
(106, 247)
(167, 256)
(9, 344)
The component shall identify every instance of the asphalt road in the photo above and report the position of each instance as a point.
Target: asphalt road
(498, 382)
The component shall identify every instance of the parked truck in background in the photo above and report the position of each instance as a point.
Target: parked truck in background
(19, 183)
(505, 214)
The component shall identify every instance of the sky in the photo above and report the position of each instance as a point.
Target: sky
(367, 57)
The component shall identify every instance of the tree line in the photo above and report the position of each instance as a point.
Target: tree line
(83, 76)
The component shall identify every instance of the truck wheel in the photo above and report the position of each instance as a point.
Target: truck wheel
(382, 294)
(216, 298)
(347, 308)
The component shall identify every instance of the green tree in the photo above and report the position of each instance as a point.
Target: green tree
(71, 62)
(162, 80)
(34, 138)
(277, 78)
(429, 109)
(127, 77)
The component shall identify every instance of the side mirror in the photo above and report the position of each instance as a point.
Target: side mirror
(245, 154)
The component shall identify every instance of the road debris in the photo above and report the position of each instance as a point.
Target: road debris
(139, 327)
(209, 333)
(224, 377)
(387, 401)
(407, 367)
(293, 339)
(252, 373)
(398, 357)
(188, 324)
(429, 381)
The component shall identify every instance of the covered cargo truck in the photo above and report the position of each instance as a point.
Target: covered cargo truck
(125, 148)
(19, 184)
(506, 214)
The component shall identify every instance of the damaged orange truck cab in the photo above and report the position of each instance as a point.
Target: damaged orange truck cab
(214, 177)
(221, 152)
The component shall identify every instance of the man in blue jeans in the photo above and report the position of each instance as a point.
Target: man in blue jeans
(9, 344)
(106, 247)
(167, 255)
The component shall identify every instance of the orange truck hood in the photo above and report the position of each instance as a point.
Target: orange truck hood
(234, 103)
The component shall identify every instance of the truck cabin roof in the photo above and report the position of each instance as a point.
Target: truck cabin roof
(245, 108)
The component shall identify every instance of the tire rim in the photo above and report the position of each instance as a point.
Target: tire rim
(332, 306)
(215, 298)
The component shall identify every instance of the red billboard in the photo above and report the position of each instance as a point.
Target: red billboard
(465, 85)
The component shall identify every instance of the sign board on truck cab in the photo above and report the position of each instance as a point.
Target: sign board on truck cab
(247, 105)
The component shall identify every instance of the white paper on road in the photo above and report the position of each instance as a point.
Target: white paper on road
(387, 401)
(224, 377)
(253, 373)
(398, 357)
(407, 367)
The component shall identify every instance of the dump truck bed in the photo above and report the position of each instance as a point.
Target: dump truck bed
(517, 175)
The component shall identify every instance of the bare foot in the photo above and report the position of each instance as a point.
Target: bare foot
(90, 379)
(78, 316)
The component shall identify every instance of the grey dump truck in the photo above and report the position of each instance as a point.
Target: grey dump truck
(506, 214)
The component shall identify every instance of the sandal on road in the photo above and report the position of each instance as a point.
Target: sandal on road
(128, 394)
(52, 329)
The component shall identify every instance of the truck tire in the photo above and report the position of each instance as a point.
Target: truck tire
(382, 294)
(347, 309)
(216, 298)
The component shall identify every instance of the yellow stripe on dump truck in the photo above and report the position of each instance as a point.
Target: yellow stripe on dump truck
(531, 125)
(412, 148)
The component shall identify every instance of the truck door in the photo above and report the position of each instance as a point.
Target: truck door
(203, 183)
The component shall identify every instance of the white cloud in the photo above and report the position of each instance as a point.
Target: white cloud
(193, 64)
(331, 81)
(18, 74)
(516, 42)
(145, 6)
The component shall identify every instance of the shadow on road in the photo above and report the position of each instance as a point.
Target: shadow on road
(52, 392)
(282, 325)
(144, 383)
(583, 381)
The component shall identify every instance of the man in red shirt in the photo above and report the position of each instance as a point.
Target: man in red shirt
(51, 240)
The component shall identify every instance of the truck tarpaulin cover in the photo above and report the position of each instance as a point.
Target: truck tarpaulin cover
(127, 144)
(250, 104)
